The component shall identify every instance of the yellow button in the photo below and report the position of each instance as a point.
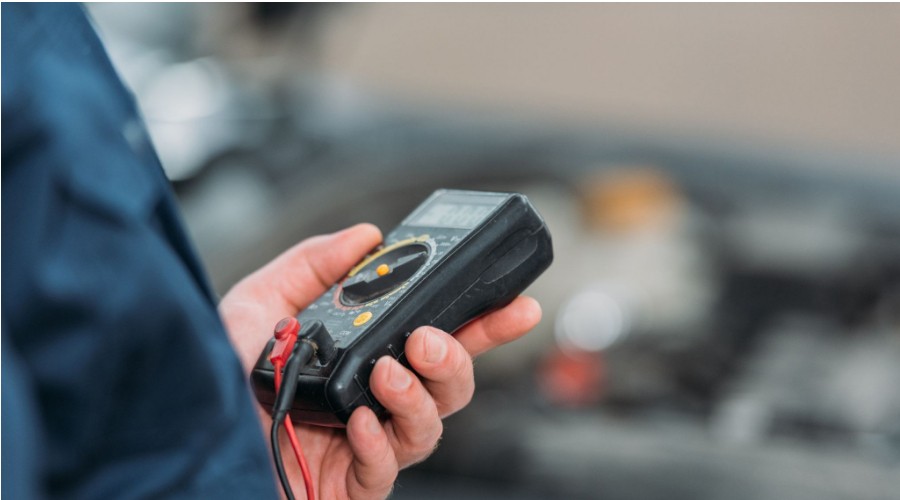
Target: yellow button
(382, 269)
(362, 319)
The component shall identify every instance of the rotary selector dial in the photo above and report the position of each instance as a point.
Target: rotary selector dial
(383, 272)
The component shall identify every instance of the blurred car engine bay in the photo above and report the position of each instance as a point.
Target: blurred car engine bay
(722, 319)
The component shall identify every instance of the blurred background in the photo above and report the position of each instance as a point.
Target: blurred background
(722, 183)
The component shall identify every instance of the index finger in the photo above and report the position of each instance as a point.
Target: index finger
(501, 326)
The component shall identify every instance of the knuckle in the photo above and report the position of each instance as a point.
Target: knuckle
(382, 480)
(467, 395)
(459, 401)
(424, 445)
(459, 367)
(463, 368)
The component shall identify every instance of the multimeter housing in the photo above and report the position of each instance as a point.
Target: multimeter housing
(457, 256)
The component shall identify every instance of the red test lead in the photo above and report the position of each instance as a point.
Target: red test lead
(285, 337)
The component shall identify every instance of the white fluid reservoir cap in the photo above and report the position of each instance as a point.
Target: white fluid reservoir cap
(591, 320)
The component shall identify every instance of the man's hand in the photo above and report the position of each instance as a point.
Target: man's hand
(363, 461)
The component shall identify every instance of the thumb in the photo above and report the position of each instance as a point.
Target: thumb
(308, 269)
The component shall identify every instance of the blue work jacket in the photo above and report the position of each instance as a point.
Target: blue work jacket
(118, 378)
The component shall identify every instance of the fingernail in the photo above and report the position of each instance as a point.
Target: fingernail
(435, 347)
(398, 378)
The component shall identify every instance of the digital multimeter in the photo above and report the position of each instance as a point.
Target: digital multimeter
(456, 256)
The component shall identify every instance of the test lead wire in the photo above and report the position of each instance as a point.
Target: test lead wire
(285, 389)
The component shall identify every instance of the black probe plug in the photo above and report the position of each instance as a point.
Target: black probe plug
(324, 344)
(302, 355)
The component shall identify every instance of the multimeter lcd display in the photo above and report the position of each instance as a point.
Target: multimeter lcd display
(457, 212)
(452, 215)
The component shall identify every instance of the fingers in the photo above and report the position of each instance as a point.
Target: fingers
(305, 271)
(415, 426)
(444, 363)
(374, 468)
(501, 326)
(445, 367)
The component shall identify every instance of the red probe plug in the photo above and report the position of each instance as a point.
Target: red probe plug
(285, 337)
